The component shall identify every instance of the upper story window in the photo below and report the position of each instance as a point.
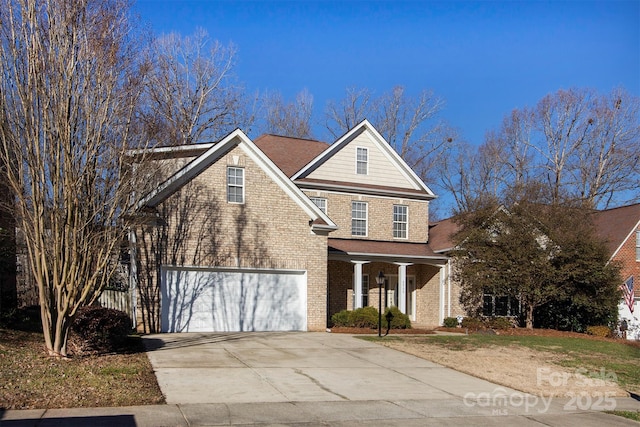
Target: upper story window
(358, 218)
(320, 202)
(362, 161)
(235, 185)
(637, 245)
(400, 221)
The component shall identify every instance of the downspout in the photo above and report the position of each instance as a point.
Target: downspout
(441, 314)
(133, 276)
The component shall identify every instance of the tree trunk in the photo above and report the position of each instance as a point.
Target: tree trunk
(529, 318)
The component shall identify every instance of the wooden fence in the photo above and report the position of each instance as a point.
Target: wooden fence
(118, 300)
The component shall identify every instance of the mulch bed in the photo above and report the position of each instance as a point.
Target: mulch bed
(369, 331)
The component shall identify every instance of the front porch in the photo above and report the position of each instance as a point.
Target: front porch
(415, 279)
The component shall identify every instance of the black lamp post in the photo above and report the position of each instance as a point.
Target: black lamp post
(380, 282)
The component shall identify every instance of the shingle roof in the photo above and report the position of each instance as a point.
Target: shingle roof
(290, 154)
(612, 225)
(615, 225)
(382, 249)
(440, 234)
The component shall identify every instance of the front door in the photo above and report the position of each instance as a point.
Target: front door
(392, 294)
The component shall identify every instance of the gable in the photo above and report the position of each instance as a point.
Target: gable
(237, 140)
(617, 225)
(384, 166)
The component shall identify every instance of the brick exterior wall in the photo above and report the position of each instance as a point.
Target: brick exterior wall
(626, 256)
(456, 307)
(380, 216)
(197, 227)
(380, 227)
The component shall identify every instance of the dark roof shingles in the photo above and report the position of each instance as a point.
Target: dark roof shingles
(290, 154)
(614, 225)
(381, 247)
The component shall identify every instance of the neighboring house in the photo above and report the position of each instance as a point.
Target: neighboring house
(280, 233)
(620, 229)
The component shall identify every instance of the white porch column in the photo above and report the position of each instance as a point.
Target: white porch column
(402, 287)
(357, 283)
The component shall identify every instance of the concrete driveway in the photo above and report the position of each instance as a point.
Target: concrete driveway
(285, 367)
(323, 378)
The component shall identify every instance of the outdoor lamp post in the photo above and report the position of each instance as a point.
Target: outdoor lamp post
(380, 282)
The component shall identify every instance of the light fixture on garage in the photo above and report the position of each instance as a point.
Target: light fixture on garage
(380, 282)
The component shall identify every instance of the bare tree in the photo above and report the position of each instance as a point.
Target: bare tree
(289, 119)
(586, 145)
(410, 125)
(609, 164)
(351, 110)
(68, 93)
(191, 96)
(583, 146)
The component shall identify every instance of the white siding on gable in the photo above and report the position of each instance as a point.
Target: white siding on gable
(382, 171)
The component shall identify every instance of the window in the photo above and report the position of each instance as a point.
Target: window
(365, 290)
(358, 218)
(235, 185)
(400, 221)
(500, 305)
(320, 202)
(637, 245)
(362, 161)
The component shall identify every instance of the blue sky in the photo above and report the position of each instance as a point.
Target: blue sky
(484, 58)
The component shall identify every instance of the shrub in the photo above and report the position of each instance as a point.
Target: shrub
(365, 317)
(399, 320)
(341, 318)
(472, 323)
(599, 331)
(499, 323)
(100, 329)
(450, 322)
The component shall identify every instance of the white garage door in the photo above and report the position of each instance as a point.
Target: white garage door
(209, 300)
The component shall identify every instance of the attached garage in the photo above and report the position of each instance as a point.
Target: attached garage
(232, 300)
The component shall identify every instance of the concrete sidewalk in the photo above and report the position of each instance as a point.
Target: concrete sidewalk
(426, 412)
(319, 379)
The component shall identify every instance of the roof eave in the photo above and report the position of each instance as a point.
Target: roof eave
(367, 190)
(416, 259)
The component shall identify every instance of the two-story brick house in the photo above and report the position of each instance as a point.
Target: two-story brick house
(280, 233)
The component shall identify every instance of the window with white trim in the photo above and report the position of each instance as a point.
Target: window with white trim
(400, 221)
(235, 185)
(358, 218)
(362, 161)
(320, 202)
(637, 245)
